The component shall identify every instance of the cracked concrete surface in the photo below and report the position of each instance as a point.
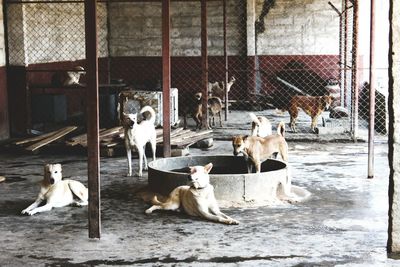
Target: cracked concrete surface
(344, 223)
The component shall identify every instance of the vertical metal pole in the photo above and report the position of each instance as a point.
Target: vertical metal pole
(341, 58)
(108, 44)
(372, 84)
(356, 71)
(226, 61)
(345, 51)
(92, 100)
(204, 61)
(166, 73)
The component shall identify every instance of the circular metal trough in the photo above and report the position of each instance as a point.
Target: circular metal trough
(228, 176)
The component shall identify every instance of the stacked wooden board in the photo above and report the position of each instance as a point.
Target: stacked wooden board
(111, 139)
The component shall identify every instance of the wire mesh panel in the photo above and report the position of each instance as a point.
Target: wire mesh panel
(260, 54)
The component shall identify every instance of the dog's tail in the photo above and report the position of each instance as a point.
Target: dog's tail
(149, 109)
(281, 129)
(254, 118)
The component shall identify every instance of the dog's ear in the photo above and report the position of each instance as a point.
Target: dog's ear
(208, 167)
(192, 170)
(58, 165)
(46, 168)
(245, 137)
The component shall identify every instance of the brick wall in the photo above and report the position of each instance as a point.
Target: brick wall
(135, 28)
(300, 27)
(40, 33)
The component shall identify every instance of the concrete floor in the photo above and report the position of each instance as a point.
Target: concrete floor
(344, 223)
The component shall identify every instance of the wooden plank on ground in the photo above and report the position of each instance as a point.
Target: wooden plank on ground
(35, 138)
(188, 136)
(103, 134)
(174, 133)
(62, 132)
(191, 141)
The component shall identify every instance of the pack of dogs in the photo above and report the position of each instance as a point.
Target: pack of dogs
(193, 106)
(197, 197)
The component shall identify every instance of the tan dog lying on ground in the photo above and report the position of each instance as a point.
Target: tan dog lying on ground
(196, 199)
(57, 192)
(257, 149)
(260, 126)
(311, 105)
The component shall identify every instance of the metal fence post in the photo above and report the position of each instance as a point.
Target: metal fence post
(92, 100)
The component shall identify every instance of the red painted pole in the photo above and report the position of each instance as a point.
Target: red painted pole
(92, 100)
(372, 83)
(204, 61)
(166, 73)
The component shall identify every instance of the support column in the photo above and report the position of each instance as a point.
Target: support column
(393, 245)
(372, 83)
(355, 72)
(204, 62)
(166, 82)
(251, 44)
(92, 100)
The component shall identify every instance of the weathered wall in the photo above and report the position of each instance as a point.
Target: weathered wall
(394, 131)
(297, 27)
(4, 125)
(40, 33)
(300, 27)
(135, 28)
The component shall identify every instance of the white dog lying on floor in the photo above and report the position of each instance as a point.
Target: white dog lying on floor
(57, 192)
(197, 198)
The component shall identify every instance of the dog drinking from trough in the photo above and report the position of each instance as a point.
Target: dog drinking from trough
(57, 192)
(196, 199)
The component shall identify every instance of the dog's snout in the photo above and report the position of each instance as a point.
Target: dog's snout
(51, 181)
(235, 153)
(189, 177)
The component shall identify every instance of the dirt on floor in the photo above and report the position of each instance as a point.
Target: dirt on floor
(343, 223)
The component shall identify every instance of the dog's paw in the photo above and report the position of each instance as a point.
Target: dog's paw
(148, 211)
(29, 212)
(232, 222)
(139, 174)
(25, 211)
(129, 174)
(81, 203)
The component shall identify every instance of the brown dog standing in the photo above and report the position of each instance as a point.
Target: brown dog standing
(311, 105)
(257, 149)
(215, 107)
(194, 108)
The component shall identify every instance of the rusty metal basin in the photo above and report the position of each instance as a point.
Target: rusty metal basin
(229, 177)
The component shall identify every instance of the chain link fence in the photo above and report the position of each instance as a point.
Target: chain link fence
(270, 51)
